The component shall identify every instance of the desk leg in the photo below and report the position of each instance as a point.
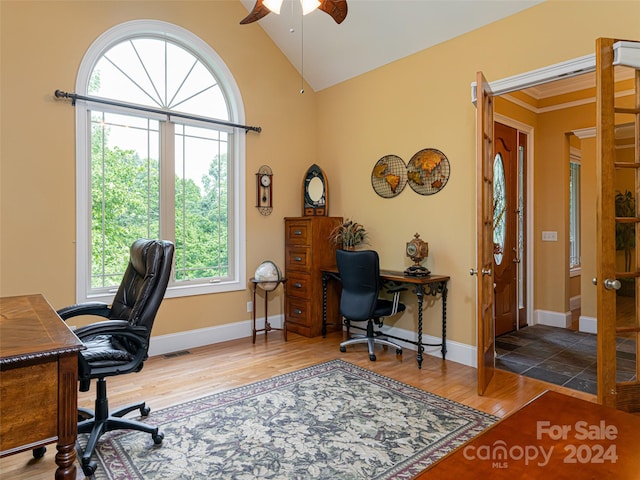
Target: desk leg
(444, 321)
(420, 295)
(324, 305)
(67, 417)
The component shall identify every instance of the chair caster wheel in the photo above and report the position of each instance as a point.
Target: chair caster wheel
(372, 358)
(39, 452)
(144, 411)
(89, 468)
(157, 438)
(398, 351)
(343, 349)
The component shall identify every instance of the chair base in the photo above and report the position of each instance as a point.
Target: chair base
(371, 339)
(101, 421)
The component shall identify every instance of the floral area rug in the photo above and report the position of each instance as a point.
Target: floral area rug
(330, 421)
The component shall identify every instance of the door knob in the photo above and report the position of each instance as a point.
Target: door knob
(612, 284)
(484, 271)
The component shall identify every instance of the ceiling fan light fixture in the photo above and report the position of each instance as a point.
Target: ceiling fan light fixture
(273, 5)
(336, 9)
(309, 6)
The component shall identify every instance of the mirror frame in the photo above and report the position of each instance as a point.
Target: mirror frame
(315, 207)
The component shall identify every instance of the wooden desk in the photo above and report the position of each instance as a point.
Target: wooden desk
(580, 440)
(431, 285)
(38, 381)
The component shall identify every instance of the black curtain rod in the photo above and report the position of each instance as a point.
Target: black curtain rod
(75, 96)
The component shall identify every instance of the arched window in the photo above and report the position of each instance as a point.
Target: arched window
(152, 160)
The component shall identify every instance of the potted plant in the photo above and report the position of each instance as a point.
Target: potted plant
(348, 235)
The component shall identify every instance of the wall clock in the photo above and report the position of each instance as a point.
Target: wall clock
(264, 190)
(315, 192)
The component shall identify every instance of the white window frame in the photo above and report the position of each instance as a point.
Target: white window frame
(237, 251)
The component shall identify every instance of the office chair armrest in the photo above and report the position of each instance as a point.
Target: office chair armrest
(395, 289)
(112, 327)
(396, 298)
(90, 308)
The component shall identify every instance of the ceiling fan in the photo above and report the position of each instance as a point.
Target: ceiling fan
(337, 9)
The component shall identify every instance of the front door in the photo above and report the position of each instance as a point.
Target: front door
(508, 169)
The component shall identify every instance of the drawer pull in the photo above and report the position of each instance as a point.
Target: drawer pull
(297, 285)
(297, 232)
(297, 311)
(297, 259)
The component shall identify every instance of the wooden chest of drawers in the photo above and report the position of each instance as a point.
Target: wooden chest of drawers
(307, 251)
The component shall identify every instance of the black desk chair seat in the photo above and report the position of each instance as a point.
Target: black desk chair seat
(360, 302)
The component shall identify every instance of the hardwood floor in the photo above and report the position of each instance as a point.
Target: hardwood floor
(168, 380)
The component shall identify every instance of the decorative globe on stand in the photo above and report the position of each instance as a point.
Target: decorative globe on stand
(268, 275)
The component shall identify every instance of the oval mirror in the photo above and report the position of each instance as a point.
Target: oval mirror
(316, 189)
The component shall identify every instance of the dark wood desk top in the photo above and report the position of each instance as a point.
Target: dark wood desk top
(563, 438)
(30, 328)
(400, 277)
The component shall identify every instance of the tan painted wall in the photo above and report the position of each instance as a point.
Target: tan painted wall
(42, 47)
(424, 101)
(421, 101)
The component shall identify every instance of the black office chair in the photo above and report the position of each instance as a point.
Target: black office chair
(359, 302)
(120, 344)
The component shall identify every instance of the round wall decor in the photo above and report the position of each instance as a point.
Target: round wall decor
(389, 176)
(428, 171)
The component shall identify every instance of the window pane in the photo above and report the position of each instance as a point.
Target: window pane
(202, 209)
(125, 191)
(159, 74)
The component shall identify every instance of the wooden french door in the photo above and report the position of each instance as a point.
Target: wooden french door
(485, 244)
(618, 170)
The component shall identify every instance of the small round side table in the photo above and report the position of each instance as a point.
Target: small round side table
(267, 326)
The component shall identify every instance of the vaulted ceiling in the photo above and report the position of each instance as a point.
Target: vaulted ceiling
(375, 32)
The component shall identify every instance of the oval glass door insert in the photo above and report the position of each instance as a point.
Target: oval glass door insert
(499, 209)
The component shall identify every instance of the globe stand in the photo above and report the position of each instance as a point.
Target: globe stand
(267, 326)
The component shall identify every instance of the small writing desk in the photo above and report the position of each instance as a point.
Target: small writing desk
(555, 436)
(38, 381)
(429, 285)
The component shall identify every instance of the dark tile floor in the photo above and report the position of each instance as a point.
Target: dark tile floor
(560, 356)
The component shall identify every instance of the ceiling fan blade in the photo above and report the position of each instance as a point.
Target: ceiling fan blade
(259, 11)
(336, 8)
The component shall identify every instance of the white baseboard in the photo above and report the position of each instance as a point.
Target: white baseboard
(588, 324)
(553, 319)
(175, 342)
(456, 351)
